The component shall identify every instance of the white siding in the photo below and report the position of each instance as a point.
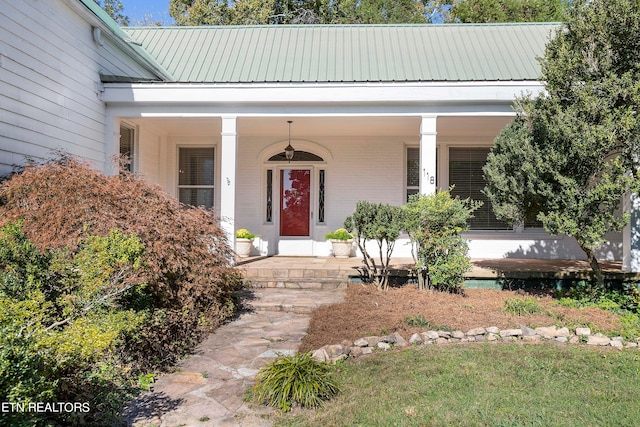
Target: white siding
(50, 83)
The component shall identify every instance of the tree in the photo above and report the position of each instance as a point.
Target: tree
(249, 12)
(114, 8)
(379, 222)
(571, 154)
(469, 11)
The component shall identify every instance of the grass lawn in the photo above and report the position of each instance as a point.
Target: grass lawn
(484, 385)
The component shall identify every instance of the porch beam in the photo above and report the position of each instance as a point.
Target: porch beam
(428, 155)
(228, 158)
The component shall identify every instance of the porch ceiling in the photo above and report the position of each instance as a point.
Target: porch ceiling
(309, 127)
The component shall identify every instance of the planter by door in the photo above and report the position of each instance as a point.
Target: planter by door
(243, 247)
(342, 248)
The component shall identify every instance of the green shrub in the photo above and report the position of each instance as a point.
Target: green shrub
(63, 315)
(294, 380)
(434, 224)
(521, 306)
(617, 298)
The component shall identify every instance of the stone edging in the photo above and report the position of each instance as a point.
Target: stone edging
(366, 345)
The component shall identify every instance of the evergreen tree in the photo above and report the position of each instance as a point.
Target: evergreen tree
(571, 154)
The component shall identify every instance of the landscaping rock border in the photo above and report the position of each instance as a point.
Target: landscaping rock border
(367, 345)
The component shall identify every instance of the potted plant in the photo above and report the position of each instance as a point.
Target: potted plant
(244, 242)
(341, 242)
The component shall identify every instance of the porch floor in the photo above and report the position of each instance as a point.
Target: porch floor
(330, 272)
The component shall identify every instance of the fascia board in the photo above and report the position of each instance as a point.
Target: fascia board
(97, 17)
(456, 92)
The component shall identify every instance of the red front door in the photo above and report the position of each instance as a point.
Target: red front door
(295, 201)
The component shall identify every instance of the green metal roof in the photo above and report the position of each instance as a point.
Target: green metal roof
(347, 53)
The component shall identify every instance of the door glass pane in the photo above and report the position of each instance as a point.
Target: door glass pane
(295, 192)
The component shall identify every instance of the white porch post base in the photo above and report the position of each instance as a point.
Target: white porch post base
(229, 147)
(428, 155)
(631, 236)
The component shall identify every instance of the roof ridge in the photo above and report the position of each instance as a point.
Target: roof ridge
(288, 26)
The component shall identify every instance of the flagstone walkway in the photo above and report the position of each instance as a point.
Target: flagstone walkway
(208, 387)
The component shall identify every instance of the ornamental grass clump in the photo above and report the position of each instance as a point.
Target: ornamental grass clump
(295, 380)
(521, 306)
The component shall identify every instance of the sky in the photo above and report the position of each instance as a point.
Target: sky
(147, 12)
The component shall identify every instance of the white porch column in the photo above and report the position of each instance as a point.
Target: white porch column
(631, 236)
(228, 151)
(428, 155)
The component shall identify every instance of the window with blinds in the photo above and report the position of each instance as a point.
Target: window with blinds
(196, 176)
(127, 137)
(465, 173)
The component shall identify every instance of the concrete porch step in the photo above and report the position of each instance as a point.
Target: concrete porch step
(310, 273)
(290, 300)
(305, 284)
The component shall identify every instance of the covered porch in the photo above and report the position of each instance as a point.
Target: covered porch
(236, 166)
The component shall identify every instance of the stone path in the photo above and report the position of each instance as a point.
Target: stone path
(208, 387)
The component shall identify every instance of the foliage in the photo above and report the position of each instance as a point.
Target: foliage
(521, 306)
(480, 11)
(434, 224)
(62, 317)
(114, 8)
(484, 385)
(570, 156)
(295, 380)
(339, 234)
(382, 223)
(253, 12)
(611, 297)
(621, 299)
(190, 284)
(243, 233)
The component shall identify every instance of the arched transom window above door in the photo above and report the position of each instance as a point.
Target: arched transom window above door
(298, 156)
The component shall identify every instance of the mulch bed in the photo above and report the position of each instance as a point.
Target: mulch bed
(367, 311)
